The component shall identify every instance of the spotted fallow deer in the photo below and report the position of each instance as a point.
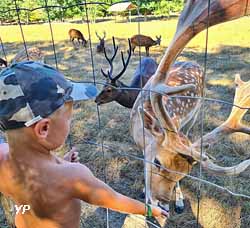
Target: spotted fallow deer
(33, 54)
(164, 116)
(144, 41)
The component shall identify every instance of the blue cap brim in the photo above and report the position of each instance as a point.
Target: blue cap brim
(83, 91)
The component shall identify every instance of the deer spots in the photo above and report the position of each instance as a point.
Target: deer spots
(182, 104)
(178, 101)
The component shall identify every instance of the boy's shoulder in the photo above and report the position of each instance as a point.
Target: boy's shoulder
(77, 169)
(75, 172)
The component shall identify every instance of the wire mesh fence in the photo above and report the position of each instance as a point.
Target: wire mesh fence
(102, 132)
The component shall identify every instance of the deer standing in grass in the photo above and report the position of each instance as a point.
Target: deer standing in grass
(144, 41)
(164, 116)
(100, 47)
(76, 34)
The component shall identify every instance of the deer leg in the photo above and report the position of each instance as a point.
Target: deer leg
(72, 40)
(179, 199)
(74, 45)
(133, 49)
(147, 51)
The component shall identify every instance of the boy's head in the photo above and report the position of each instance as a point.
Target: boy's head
(36, 95)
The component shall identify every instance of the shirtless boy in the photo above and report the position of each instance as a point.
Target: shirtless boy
(35, 113)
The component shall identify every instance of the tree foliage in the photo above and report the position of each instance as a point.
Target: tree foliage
(157, 7)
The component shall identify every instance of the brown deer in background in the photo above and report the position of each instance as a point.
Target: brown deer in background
(101, 45)
(144, 41)
(125, 95)
(76, 34)
(165, 117)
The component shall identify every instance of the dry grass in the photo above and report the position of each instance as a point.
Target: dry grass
(228, 54)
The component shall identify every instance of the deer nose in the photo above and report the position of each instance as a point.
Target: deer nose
(97, 101)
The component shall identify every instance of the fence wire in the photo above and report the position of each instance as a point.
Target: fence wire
(113, 148)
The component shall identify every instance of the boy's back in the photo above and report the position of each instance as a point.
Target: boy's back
(46, 188)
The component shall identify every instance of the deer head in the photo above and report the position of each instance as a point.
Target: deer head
(165, 144)
(100, 46)
(158, 40)
(111, 89)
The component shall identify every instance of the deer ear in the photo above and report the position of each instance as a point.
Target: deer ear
(150, 123)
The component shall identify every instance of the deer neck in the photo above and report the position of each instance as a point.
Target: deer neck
(126, 96)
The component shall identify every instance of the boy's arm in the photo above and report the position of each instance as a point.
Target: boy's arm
(90, 189)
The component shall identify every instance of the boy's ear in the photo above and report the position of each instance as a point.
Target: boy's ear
(150, 123)
(41, 128)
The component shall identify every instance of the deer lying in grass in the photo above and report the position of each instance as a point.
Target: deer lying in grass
(101, 45)
(144, 41)
(164, 117)
(34, 54)
(76, 34)
(116, 90)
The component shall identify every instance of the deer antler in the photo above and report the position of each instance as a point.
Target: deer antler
(98, 35)
(192, 21)
(110, 61)
(233, 122)
(231, 125)
(104, 35)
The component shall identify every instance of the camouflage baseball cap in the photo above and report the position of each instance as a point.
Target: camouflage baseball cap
(30, 91)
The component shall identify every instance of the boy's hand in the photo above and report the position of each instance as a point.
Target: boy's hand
(72, 155)
(157, 211)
